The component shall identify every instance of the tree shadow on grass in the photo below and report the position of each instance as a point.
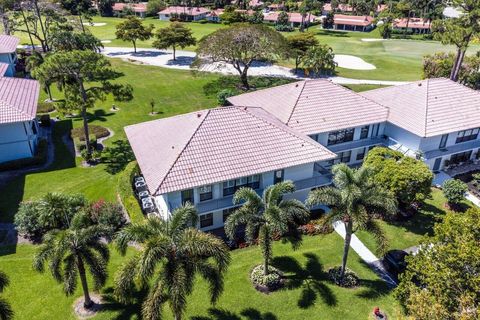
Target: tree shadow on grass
(310, 278)
(117, 156)
(124, 311)
(245, 314)
(96, 115)
(372, 289)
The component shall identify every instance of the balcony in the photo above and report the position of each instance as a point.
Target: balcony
(357, 144)
(456, 148)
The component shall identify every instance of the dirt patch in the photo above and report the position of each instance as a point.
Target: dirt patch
(83, 313)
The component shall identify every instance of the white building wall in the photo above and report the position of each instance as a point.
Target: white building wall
(17, 141)
(406, 138)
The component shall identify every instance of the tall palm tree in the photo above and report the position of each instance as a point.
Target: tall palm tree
(354, 199)
(265, 216)
(172, 252)
(6, 312)
(70, 252)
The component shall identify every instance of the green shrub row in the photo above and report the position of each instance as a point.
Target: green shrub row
(125, 191)
(45, 107)
(39, 158)
(98, 131)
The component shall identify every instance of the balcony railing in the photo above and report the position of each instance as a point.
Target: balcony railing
(357, 144)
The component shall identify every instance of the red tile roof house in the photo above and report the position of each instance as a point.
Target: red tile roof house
(18, 126)
(191, 13)
(297, 132)
(415, 25)
(294, 18)
(8, 55)
(140, 9)
(352, 23)
(327, 7)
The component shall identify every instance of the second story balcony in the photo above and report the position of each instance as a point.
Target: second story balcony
(355, 144)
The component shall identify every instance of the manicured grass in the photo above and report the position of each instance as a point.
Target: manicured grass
(363, 87)
(308, 295)
(405, 234)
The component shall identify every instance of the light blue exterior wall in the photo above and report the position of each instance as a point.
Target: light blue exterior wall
(11, 60)
(402, 136)
(17, 140)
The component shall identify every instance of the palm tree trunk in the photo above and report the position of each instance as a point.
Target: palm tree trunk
(346, 247)
(454, 74)
(83, 278)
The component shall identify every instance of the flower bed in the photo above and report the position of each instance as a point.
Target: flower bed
(472, 183)
(350, 279)
(98, 131)
(268, 283)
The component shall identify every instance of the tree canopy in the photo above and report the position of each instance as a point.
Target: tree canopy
(132, 29)
(175, 35)
(242, 44)
(442, 281)
(408, 179)
(319, 59)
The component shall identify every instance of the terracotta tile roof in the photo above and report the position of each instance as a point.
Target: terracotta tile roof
(3, 68)
(18, 99)
(342, 7)
(192, 11)
(362, 21)
(292, 17)
(137, 7)
(8, 44)
(220, 144)
(417, 23)
(430, 107)
(314, 106)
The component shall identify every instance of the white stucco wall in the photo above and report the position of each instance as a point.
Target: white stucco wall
(16, 141)
(406, 138)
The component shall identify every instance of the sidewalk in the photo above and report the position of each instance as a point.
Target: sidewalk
(366, 255)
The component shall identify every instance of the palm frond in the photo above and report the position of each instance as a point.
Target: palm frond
(277, 220)
(249, 196)
(70, 272)
(97, 267)
(125, 286)
(153, 252)
(183, 217)
(214, 278)
(152, 307)
(379, 235)
(102, 249)
(295, 210)
(6, 311)
(4, 281)
(273, 194)
(175, 281)
(137, 232)
(265, 242)
(329, 196)
(242, 216)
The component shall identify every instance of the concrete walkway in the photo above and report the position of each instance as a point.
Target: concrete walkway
(184, 59)
(366, 255)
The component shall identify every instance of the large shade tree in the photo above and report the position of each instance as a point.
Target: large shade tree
(84, 77)
(174, 36)
(442, 281)
(6, 312)
(132, 29)
(240, 45)
(354, 200)
(266, 217)
(70, 253)
(172, 253)
(299, 44)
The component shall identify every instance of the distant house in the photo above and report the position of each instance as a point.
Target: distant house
(294, 18)
(276, 7)
(18, 125)
(255, 3)
(327, 7)
(214, 15)
(189, 13)
(8, 55)
(415, 25)
(140, 9)
(352, 23)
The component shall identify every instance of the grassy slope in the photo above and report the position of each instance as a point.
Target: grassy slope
(174, 92)
(36, 296)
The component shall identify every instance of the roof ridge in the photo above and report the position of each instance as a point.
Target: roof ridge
(183, 149)
(296, 101)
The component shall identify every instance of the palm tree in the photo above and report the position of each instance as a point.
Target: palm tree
(173, 252)
(6, 312)
(69, 252)
(354, 199)
(265, 216)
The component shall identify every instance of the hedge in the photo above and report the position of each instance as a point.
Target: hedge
(39, 158)
(98, 131)
(125, 191)
(45, 107)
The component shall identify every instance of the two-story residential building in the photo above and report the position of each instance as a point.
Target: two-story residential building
(437, 119)
(8, 55)
(203, 157)
(334, 116)
(186, 13)
(18, 126)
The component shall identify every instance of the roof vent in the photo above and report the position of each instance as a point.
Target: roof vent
(245, 108)
(296, 85)
(173, 147)
(419, 84)
(199, 115)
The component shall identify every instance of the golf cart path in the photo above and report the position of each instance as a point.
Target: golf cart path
(164, 58)
(366, 255)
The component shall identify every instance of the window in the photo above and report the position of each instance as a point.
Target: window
(443, 141)
(187, 196)
(460, 157)
(228, 212)
(254, 181)
(206, 220)
(361, 154)
(467, 135)
(278, 176)
(340, 136)
(375, 130)
(364, 132)
(345, 156)
(229, 187)
(205, 193)
(314, 137)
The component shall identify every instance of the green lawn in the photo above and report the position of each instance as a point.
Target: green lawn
(405, 234)
(309, 294)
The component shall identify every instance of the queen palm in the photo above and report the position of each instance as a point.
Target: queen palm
(6, 312)
(266, 216)
(71, 252)
(172, 252)
(354, 200)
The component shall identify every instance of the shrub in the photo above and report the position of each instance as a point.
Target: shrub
(39, 158)
(80, 145)
(315, 227)
(108, 214)
(97, 131)
(223, 95)
(126, 194)
(284, 28)
(350, 279)
(45, 107)
(454, 190)
(272, 281)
